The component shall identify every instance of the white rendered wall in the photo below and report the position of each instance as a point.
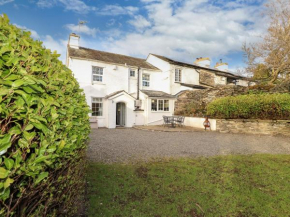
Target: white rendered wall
(220, 80)
(156, 117)
(158, 81)
(188, 76)
(113, 80)
(165, 68)
(242, 83)
(130, 114)
(139, 118)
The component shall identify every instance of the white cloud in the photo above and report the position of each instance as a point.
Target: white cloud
(49, 42)
(140, 22)
(34, 34)
(46, 3)
(116, 10)
(190, 29)
(77, 6)
(3, 2)
(82, 29)
(55, 45)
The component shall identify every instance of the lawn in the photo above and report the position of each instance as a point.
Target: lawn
(255, 185)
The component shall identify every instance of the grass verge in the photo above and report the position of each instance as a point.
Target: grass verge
(255, 185)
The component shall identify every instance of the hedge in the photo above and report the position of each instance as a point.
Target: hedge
(44, 129)
(257, 106)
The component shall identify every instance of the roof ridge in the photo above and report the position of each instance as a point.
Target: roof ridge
(201, 67)
(113, 53)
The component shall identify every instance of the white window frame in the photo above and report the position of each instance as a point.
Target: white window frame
(132, 71)
(145, 83)
(98, 100)
(177, 75)
(98, 74)
(158, 109)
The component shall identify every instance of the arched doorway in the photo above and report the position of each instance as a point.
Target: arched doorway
(120, 114)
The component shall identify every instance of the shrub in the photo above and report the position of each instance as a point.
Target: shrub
(44, 128)
(260, 106)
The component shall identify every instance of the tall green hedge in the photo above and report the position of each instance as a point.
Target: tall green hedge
(257, 106)
(44, 129)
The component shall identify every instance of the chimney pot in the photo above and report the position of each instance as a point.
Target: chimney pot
(203, 62)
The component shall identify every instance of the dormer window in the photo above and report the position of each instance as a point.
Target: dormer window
(97, 73)
(177, 75)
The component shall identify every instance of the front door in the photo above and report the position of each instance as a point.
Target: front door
(120, 114)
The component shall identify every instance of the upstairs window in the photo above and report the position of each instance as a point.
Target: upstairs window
(132, 73)
(97, 73)
(177, 75)
(146, 80)
(97, 106)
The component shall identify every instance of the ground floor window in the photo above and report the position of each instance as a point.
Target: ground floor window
(97, 106)
(159, 105)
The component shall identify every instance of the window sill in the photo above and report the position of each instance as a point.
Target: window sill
(98, 82)
(160, 111)
(99, 117)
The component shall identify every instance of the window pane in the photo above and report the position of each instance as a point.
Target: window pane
(146, 80)
(132, 73)
(177, 75)
(97, 106)
(166, 105)
(145, 84)
(97, 78)
(160, 105)
(154, 105)
(97, 73)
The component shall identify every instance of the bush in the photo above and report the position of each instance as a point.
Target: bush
(44, 129)
(260, 106)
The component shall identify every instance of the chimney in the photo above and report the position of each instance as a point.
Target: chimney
(222, 66)
(204, 62)
(73, 41)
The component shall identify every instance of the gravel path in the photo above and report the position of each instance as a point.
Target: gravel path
(127, 145)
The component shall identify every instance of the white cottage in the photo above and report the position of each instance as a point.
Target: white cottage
(127, 91)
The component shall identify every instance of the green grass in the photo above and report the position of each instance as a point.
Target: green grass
(256, 185)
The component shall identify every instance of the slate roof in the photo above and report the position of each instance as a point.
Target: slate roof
(158, 94)
(216, 71)
(194, 86)
(86, 53)
(117, 92)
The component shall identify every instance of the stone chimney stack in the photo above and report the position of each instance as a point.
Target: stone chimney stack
(204, 62)
(222, 66)
(73, 41)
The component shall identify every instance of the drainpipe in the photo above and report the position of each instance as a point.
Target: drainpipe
(138, 82)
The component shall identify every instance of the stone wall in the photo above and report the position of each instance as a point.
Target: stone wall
(250, 126)
(193, 103)
(207, 78)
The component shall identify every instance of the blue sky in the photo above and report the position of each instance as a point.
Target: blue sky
(179, 29)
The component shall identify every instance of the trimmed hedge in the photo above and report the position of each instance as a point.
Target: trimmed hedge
(257, 106)
(44, 129)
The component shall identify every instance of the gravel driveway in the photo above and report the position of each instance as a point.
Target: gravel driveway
(125, 145)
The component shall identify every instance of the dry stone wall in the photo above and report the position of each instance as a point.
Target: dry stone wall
(193, 103)
(207, 78)
(250, 126)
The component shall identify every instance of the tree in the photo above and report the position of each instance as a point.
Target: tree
(261, 72)
(274, 49)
